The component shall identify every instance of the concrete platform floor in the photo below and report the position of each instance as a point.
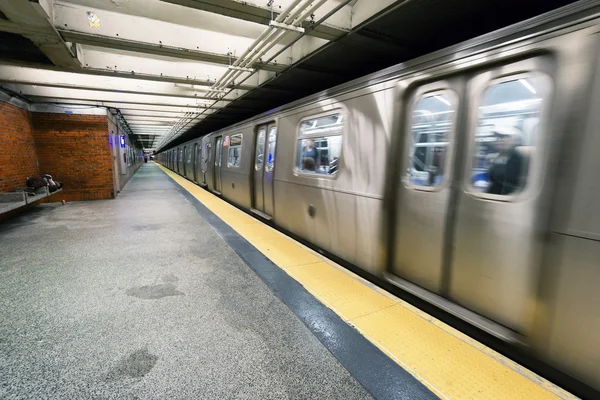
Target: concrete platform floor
(139, 298)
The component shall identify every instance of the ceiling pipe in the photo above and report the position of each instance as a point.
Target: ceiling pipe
(265, 37)
(293, 15)
(319, 22)
(292, 19)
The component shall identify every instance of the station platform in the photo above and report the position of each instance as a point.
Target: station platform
(169, 292)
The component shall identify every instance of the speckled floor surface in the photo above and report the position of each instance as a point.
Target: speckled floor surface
(139, 298)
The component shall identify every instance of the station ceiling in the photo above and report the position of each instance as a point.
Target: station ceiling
(173, 70)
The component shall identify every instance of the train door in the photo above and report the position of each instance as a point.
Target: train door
(500, 217)
(197, 160)
(207, 154)
(218, 163)
(264, 169)
(471, 229)
(180, 161)
(424, 192)
(184, 161)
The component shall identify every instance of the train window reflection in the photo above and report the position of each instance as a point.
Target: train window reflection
(320, 144)
(431, 127)
(235, 150)
(505, 136)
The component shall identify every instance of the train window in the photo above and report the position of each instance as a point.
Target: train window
(260, 150)
(506, 135)
(320, 144)
(271, 149)
(431, 127)
(208, 152)
(235, 150)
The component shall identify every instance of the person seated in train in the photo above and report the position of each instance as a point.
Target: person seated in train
(308, 164)
(506, 169)
(310, 151)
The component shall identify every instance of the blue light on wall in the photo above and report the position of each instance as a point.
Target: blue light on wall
(122, 141)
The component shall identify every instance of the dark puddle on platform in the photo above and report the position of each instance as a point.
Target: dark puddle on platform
(136, 365)
(157, 290)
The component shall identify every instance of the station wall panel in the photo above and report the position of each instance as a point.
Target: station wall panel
(75, 150)
(18, 159)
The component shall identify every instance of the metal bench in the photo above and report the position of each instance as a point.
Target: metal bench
(11, 201)
(20, 198)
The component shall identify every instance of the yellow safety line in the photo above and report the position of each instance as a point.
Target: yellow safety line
(450, 363)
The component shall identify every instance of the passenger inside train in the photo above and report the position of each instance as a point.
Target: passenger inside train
(506, 172)
(505, 138)
(320, 141)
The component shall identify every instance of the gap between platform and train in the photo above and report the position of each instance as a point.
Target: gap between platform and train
(392, 348)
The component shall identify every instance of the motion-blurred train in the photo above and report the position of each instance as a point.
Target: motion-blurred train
(469, 177)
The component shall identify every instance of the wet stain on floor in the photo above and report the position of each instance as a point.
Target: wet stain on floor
(154, 292)
(146, 227)
(136, 365)
(157, 290)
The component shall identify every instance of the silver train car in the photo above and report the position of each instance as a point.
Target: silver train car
(465, 177)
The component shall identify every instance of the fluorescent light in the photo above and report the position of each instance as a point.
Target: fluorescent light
(443, 100)
(528, 86)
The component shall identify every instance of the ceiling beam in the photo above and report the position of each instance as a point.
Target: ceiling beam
(114, 29)
(133, 118)
(121, 106)
(247, 11)
(120, 73)
(32, 19)
(150, 114)
(67, 80)
(159, 49)
(111, 97)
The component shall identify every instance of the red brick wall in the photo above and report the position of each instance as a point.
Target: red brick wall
(18, 159)
(74, 149)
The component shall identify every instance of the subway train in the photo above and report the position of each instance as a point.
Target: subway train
(466, 177)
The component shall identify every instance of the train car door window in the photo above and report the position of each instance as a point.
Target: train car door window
(264, 166)
(271, 143)
(259, 156)
(319, 144)
(218, 163)
(235, 150)
(430, 131)
(197, 158)
(505, 137)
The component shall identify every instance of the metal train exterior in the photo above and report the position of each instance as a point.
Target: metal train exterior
(398, 182)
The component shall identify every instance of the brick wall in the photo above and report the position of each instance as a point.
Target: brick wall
(74, 149)
(17, 147)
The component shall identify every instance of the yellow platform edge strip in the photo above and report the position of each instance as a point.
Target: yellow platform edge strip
(448, 362)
